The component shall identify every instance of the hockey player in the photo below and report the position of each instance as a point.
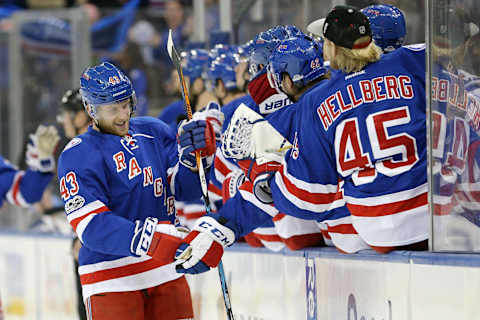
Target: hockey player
(283, 230)
(118, 182)
(23, 188)
(388, 31)
(194, 67)
(75, 121)
(387, 24)
(73, 117)
(366, 126)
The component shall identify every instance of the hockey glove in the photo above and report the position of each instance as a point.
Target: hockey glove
(196, 135)
(260, 176)
(158, 241)
(40, 149)
(212, 114)
(203, 247)
(231, 184)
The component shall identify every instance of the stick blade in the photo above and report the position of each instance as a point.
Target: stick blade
(172, 52)
(170, 47)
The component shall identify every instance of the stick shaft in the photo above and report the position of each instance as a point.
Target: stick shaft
(201, 172)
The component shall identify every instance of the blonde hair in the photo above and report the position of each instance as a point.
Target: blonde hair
(454, 55)
(354, 60)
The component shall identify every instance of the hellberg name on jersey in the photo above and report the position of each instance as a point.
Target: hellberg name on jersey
(367, 129)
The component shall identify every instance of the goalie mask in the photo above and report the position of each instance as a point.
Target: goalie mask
(105, 84)
(301, 58)
(387, 24)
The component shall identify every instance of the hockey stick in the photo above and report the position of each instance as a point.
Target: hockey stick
(172, 52)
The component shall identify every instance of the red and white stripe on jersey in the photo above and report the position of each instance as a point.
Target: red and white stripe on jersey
(326, 237)
(297, 233)
(171, 173)
(124, 274)
(443, 197)
(393, 219)
(79, 219)
(214, 193)
(247, 194)
(343, 235)
(314, 197)
(222, 166)
(269, 238)
(14, 196)
(468, 190)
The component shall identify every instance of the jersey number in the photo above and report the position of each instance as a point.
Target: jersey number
(71, 179)
(457, 150)
(351, 158)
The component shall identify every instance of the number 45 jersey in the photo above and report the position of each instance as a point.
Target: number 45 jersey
(369, 129)
(107, 183)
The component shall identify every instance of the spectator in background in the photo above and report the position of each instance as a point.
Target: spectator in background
(144, 34)
(72, 116)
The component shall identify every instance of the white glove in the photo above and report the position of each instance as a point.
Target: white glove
(250, 136)
(202, 249)
(213, 114)
(41, 147)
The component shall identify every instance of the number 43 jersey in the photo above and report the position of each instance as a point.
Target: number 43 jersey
(369, 129)
(107, 183)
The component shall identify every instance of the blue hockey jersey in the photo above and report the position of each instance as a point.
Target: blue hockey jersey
(21, 188)
(108, 182)
(367, 129)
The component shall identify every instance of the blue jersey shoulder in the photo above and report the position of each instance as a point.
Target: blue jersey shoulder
(172, 112)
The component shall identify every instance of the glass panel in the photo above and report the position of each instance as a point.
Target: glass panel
(455, 124)
(4, 128)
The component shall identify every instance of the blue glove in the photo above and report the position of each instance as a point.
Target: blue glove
(196, 135)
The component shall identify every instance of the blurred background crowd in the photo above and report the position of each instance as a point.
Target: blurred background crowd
(43, 42)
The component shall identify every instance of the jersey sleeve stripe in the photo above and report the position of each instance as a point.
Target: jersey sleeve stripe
(171, 173)
(304, 185)
(222, 167)
(247, 195)
(295, 200)
(82, 225)
(214, 190)
(14, 195)
(89, 208)
(311, 193)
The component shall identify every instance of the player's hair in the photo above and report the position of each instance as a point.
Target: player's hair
(354, 60)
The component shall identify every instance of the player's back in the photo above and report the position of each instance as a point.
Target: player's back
(373, 122)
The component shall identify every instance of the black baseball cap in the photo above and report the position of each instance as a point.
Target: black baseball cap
(346, 24)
